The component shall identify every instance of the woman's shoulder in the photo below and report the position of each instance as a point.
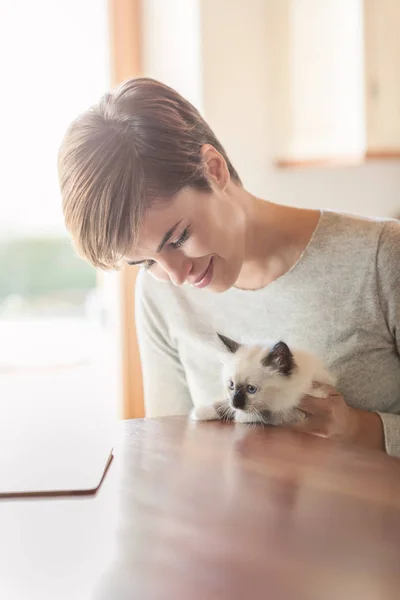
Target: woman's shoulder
(148, 289)
(352, 223)
(163, 295)
(155, 302)
(351, 232)
(388, 251)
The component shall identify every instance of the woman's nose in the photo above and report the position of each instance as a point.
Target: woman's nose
(178, 268)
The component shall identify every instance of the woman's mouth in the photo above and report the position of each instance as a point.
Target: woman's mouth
(206, 277)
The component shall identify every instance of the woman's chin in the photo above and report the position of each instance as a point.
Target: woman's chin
(222, 284)
(219, 287)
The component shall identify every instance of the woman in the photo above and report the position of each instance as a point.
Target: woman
(145, 181)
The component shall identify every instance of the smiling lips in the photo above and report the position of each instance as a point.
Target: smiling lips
(205, 277)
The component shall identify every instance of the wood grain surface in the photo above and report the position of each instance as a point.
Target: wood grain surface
(223, 511)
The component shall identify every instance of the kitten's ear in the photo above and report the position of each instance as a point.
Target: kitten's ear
(280, 358)
(230, 344)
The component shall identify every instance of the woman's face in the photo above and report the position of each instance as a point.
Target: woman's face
(197, 238)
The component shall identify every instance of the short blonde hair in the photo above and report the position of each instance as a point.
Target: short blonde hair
(139, 144)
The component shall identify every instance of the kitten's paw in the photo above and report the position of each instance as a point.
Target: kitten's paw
(247, 417)
(204, 413)
(294, 416)
(319, 391)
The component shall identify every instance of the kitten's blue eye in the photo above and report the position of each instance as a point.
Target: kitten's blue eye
(251, 389)
(231, 385)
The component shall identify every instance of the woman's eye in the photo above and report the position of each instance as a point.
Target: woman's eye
(184, 237)
(147, 264)
(231, 385)
(251, 389)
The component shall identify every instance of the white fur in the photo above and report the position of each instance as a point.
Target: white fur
(204, 413)
(276, 393)
(242, 416)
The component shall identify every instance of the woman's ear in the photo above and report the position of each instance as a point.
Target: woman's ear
(215, 167)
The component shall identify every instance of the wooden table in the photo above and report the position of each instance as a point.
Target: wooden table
(224, 511)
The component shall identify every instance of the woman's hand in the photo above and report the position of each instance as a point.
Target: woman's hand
(332, 418)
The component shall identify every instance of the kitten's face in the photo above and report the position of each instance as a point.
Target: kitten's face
(254, 375)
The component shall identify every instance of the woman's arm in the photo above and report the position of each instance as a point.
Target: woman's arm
(164, 381)
(388, 287)
(333, 417)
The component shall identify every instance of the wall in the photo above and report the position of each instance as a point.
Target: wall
(222, 54)
(171, 45)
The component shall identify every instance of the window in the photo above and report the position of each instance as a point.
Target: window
(58, 359)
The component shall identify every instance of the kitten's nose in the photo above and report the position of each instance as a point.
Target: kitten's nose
(239, 398)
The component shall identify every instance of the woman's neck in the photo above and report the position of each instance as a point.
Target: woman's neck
(276, 237)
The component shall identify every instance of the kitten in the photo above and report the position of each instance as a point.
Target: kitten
(265, 383)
